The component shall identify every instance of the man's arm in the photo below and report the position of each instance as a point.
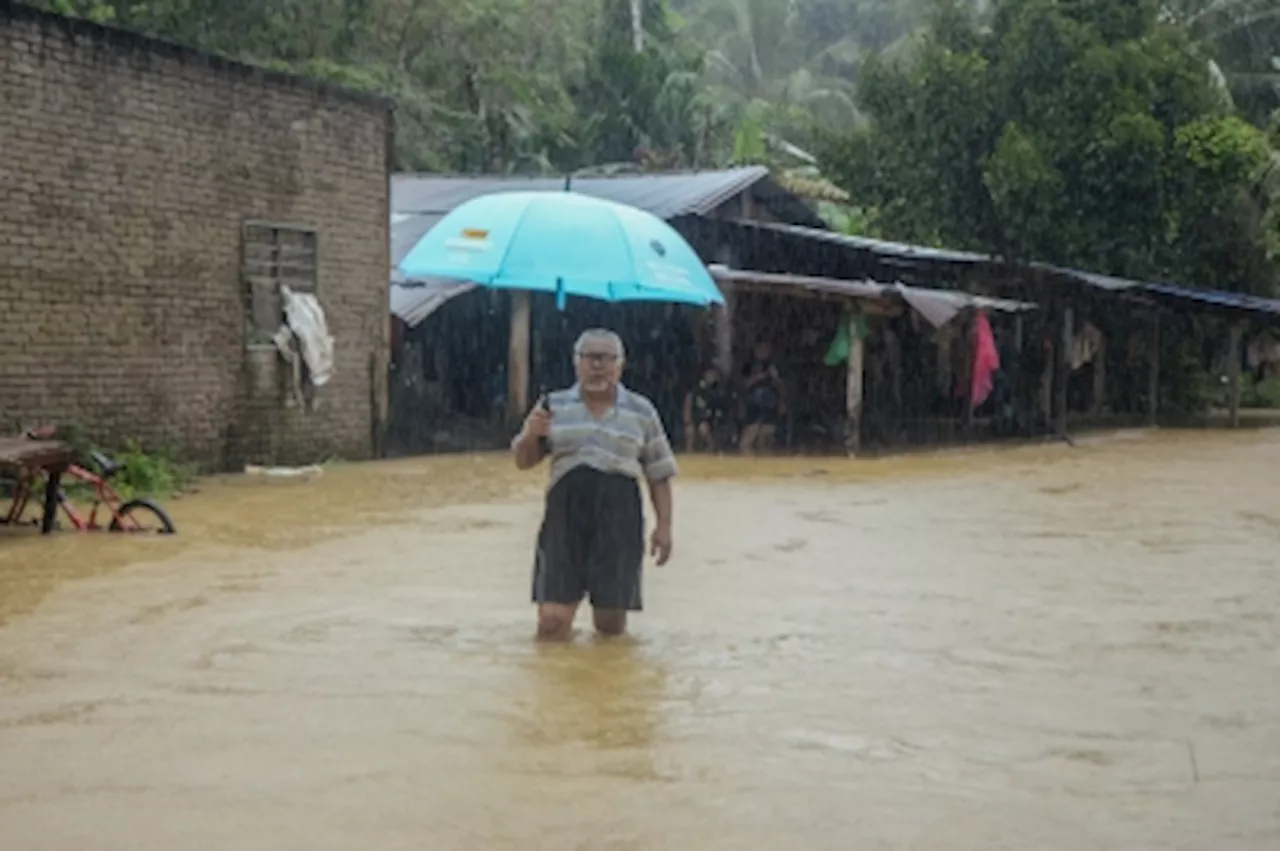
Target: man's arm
(529, 446)
(660, 468)
(660, 496)
(528, 451)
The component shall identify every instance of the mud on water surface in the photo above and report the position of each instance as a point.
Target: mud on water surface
(1038, 648)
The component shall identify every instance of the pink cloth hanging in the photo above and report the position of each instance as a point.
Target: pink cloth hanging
(986, 360)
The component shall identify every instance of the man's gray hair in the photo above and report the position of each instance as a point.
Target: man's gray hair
(600, 334)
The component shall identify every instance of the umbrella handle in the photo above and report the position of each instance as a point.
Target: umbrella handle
(545, 404)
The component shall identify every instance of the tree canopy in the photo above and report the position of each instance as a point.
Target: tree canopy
(1125, 137)
(529, 85)
(1086, 133)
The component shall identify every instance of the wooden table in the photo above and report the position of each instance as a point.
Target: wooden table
(52, 456)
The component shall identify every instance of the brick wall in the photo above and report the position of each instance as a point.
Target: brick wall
(127, 168)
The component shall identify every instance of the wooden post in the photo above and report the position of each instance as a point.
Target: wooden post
(853, 388)
(1233, 372)
(1100, 377)
(1153, 373)
(724, 331)
(698, 331)
(1015, 371)
(518, 355)
(967, 335)
(1064, 372)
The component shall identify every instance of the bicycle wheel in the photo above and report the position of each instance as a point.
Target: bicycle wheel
(143, 515)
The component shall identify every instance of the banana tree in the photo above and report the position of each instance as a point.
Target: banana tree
(761, 67)
(1245, 35)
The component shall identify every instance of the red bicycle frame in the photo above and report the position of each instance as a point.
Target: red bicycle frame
(110, 511)
(104, 498)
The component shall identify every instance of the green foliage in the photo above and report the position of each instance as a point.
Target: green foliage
(153, 471)
(1259, 394)
(851, 220)
(1087, 134)
(157, 473)
(1244, 37)
(1039, 127)
(645, 104)
(554, 85)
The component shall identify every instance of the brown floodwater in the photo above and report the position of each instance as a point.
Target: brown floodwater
(1033, 649)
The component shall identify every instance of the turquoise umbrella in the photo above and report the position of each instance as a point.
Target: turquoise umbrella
(563, 243)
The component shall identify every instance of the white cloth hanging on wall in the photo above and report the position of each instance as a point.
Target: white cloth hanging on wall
(305, 318)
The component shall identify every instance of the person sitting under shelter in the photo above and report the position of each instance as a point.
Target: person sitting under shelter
(706, 410)
(765, 400)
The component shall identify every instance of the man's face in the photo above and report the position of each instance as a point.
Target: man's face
(763, 351)
(598, 366)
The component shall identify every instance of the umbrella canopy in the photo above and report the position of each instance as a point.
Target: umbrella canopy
(564, 243)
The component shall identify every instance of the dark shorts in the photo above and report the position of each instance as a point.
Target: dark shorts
(591, 543)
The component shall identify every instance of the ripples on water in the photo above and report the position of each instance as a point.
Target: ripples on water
(1043, 648)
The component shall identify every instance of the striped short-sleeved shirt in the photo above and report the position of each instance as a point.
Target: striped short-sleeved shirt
(629, 439)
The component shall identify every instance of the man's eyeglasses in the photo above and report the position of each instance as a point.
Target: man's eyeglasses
(598, 358)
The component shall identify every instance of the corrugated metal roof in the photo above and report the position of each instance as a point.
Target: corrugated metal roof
(1109, 283)
(831, 286)
(664, 195)
(1216, 298)
(878, 246)
(419, 201)
(406, 230)
(413, 302)
(868, 289)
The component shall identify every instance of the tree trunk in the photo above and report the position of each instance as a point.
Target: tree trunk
(637, 25)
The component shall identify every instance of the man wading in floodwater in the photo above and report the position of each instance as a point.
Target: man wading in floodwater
(602, 439)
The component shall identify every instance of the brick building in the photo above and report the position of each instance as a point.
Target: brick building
(152, 200)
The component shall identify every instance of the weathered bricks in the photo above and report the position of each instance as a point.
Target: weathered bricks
(127, 167)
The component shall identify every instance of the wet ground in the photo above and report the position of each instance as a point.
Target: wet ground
(1041, 648)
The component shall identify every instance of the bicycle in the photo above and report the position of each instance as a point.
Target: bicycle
(119, 514)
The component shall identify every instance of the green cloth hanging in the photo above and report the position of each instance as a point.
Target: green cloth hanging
(838, 351)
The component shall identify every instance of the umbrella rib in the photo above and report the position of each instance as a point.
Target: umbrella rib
(631, 255)
(515, 231)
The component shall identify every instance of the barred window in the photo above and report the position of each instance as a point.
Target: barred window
(275, 254)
